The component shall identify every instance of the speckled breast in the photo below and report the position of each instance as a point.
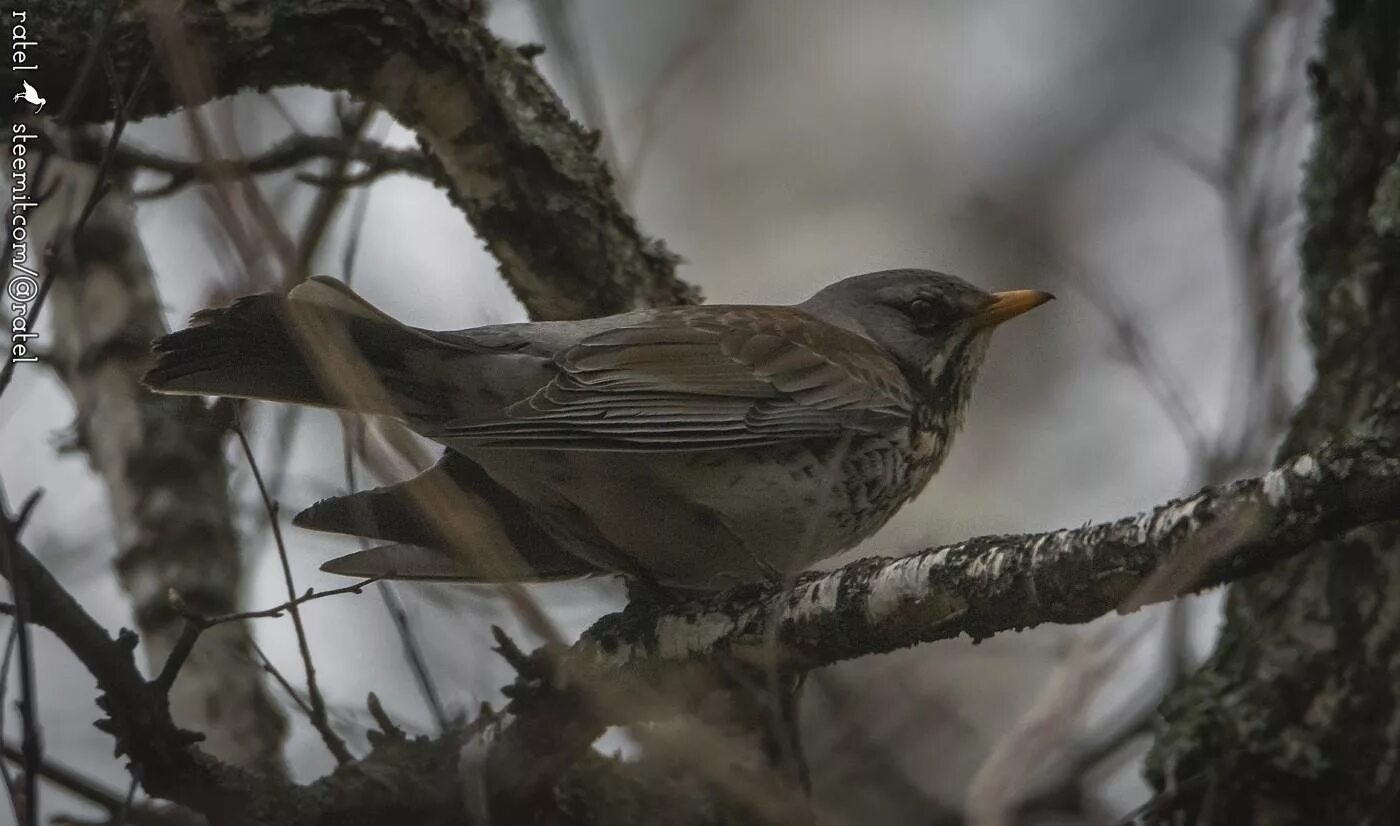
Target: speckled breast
(880, 474)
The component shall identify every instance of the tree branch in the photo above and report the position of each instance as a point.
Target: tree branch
(648, 662)
(401, 781)
(513, 161)
(378, 160)
(319, 719)
(1000, 583)
(1292, 715)
(978, 587)
(139, 718)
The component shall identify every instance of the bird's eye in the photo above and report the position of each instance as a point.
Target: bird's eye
(924, 312)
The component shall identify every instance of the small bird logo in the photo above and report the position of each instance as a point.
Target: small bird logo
(31, 95)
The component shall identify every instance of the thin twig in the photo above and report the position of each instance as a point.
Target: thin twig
(408, 640)
(10, 640)
(100, 183)
(285, 423)
(318, 704)
(69, 780)
(382, 719)
(31, 747)
(196, 624)
(290, 605)
(125, 812)
(378, 159)
(354, 444)
(413, 654)
(354, 132)
(266, 663)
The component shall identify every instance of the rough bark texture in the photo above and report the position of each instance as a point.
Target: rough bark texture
(620, 671)
(1296, 716)
(999, 583)
(161, 460)
(650, 663)
(509, 155)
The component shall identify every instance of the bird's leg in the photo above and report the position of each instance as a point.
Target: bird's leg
(766, 703)
(792, 757)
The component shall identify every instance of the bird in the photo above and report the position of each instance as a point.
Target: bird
(693, 447)
(31, 95)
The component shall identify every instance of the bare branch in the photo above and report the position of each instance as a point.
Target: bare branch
(412, 780)
(265, 663)
(10, 640)
(352, 443)
(31, 747)
(318, 704)
(140, 720)
(991, 584)
(120, 806)
(196, 624)
(279, 610)
(515, 163)
(978, 587)
(354, 122)
(377, 159)
(648, 662)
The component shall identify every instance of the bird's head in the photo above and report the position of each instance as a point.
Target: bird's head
(936, 326)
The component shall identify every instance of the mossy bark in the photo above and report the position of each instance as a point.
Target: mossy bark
(507, 152)
(1295, 718)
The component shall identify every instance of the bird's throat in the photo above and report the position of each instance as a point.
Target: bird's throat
(943, 400)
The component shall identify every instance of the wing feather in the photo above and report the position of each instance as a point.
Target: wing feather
(703, 378)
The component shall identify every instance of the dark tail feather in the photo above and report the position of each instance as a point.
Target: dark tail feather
(251, 349)
(397, 561)
(499, 540)
(243, 350)
(391, 513)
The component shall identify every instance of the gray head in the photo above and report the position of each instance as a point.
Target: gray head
(936, 326)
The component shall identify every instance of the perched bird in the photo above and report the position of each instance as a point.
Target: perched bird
(693, 447)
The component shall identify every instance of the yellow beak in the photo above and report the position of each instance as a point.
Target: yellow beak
(1010, 304)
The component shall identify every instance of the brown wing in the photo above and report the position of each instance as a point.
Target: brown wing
(702, 378)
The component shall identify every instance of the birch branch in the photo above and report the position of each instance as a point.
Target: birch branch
(650, 663)
(991, 584)
(978, 587)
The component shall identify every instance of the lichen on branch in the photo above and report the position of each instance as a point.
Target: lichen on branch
(991, 584)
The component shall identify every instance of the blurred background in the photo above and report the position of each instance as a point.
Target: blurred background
(1141, 160)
